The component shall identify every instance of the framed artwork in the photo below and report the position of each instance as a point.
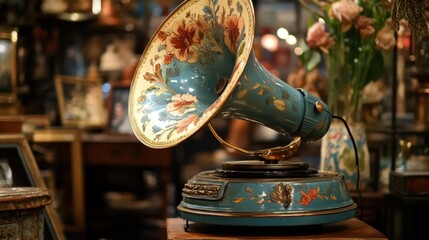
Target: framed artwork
(8, 52)
(18, 168)
(80, 102)
(118, 109)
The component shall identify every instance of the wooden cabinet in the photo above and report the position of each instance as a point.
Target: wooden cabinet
(407, 216)
(126, 187)
(122, 150)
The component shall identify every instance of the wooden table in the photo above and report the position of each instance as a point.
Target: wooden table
(349, 229)
(102, 150)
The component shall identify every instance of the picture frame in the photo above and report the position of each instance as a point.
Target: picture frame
(117, 105)
(80, 102)
(16, 152)
(8, 65)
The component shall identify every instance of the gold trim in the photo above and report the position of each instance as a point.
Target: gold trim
(202, 190)
(262, 215)
(319, 106)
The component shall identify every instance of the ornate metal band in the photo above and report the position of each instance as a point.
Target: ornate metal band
(205, 191)
(266, 214)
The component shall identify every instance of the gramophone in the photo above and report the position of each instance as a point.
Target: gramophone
(199, 65)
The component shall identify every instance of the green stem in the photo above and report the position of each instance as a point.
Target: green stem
(337, 71)
(333, 91)
(359, 79)
(309, 9)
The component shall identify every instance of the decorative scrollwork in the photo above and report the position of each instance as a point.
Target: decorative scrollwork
(282, 194)
(201, 190)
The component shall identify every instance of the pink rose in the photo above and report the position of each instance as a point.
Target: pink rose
(364, 25)
(346, 11)
(317, 37)
(385, 39)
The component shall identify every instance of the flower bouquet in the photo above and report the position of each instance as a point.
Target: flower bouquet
(351, 35)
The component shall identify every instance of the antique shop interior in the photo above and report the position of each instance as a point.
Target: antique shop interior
(214, 119)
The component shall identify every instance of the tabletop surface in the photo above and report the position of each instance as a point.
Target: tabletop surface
(349, 229)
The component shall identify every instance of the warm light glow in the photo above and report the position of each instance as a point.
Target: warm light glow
(282, 33)
(2, 48)
(298, 51)
(270, 42)
(96, 7)
(14, 35)
(74, 16)
(291, 40)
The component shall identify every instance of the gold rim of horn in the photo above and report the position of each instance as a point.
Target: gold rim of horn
(274, 154)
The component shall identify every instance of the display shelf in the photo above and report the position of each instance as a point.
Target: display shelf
(400, 130)
(405, 210)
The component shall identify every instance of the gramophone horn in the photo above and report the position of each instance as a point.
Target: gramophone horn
(199, 65)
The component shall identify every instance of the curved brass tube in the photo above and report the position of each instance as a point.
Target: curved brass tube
(274, 154)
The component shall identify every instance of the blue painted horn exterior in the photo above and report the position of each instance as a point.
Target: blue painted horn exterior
(261, 97)
(174, 90)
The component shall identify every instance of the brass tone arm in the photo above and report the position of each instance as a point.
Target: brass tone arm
(269, 155)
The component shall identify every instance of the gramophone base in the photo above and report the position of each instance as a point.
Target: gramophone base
(314, 199)
(267, 220)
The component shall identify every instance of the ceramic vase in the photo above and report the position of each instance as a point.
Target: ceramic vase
(337, 154)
